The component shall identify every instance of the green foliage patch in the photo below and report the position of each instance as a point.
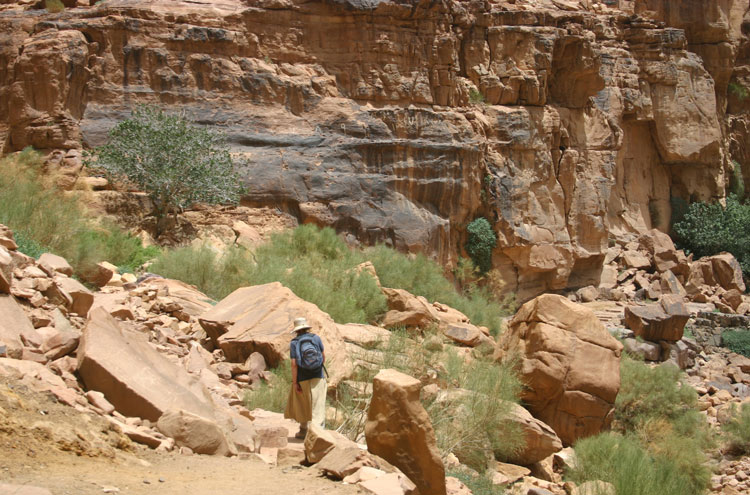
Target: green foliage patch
(272, 395)
(54, 6)
(659, 439)
(737, 340)
(737, 430)
(176, 162)
(708, 229)
(45, 218)
(631, 468)
(481, 241)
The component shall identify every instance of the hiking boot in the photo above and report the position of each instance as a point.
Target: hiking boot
(302, 433)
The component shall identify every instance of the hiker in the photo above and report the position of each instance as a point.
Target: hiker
(307, 398)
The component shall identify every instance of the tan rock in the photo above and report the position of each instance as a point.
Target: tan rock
(540, 440)
(133, 376)
(192, 301)
(569, 362)
(341, 462)
(634, 259)
(34, 375)
(366, 336)
(663, 321)
(13, 322)
(319, 442)
(6, 271)
(259, 319)
(81, 297)
(101, 274)
(465, 333)
(505, 474)
(454, 486)
(52, 263)
(199, 434)
(399, 430)
(98, 400)
(388, 484)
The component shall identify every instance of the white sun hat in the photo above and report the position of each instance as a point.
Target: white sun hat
(300, 324)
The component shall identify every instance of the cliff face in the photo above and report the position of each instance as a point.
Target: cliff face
(567, 124)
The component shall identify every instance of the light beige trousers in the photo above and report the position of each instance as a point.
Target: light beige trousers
(310, 405)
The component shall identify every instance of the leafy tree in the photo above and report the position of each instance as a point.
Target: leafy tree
(481, 241)
(708, 229)
(175, 162)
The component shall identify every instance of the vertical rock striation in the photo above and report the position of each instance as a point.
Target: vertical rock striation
(565, 124)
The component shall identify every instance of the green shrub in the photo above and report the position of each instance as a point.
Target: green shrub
(656, 407)
(176, 162)
(44, 218)
(737, 341)
(470, 422)
(737, 429)
(424, 277)
(54, 6)
(476, 97)
(272, 396)
(648, 394)
(631, 468)
(480, 243)
(479, 484)
(737, 181)
(708, 229)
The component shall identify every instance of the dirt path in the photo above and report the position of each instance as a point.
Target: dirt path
(46, 444)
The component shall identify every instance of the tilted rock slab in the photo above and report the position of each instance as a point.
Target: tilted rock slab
(132, 375)
(569, 363)
(13, 323)
(399, 430)
(540, 440)
(259, 319)
(663, 321)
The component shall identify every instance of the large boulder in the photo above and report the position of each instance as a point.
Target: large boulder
(569, 363)
(132, 375)
(13, 323)
(399, 430)
(6, 271)
(408, 310)
(663, 321)
(259, 319)
(201, 435)
(722, 269)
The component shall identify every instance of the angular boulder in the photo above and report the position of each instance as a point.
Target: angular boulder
(319, 442)
(201, 435)
(132, 375)
(52, 263)
(399, 430)
(13, 323)
(569, 363)
(81, 297)
(663, 321)
(540, 440)
(466, 334)
(259, 319)
(722, 269)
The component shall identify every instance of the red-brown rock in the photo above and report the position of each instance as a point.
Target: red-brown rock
(399, 430)
(569, 363)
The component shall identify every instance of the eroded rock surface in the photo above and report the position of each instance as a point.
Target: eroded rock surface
(555, 120)
(569, 363)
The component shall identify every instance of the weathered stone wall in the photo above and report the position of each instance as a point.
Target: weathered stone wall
(565, 123)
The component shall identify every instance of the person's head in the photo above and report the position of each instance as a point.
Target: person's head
(300, 326)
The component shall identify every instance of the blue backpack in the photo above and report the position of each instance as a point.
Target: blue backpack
(309, 355)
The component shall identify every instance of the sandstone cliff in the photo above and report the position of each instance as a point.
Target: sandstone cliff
(566, 123)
